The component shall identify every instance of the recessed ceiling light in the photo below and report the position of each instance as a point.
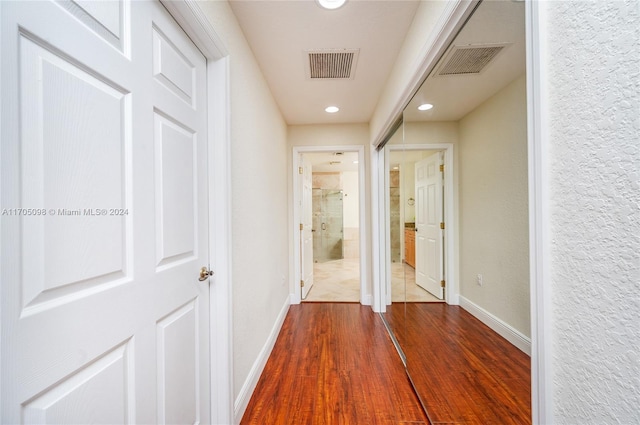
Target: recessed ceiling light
(355, 162)
(425, 107)
(331, 109)
(331, 4)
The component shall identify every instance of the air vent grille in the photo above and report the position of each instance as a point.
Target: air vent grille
(469, 59)
(332, 64)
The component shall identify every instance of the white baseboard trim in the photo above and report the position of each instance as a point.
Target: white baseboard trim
(515, 337)
(250, 383)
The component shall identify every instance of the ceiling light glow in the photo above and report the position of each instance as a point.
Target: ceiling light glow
(425, 107)
(331, 4)
(331, 109)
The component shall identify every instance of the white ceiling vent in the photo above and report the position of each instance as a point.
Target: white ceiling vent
(331, 64)
(469, 59)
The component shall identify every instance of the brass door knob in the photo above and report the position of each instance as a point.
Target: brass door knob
(205, 274)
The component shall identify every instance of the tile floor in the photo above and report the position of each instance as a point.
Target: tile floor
(339, 280)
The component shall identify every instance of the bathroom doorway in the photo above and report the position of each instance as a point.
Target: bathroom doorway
(336, 222)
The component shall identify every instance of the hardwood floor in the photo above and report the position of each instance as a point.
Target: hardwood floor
(333, 363)
(464, 372)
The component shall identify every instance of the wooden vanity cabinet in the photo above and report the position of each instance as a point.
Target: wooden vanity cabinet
(410, 247)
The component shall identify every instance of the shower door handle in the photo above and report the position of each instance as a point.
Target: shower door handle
(324, 226)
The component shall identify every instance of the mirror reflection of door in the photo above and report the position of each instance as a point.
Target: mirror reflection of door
(429, 225)
(416, 258)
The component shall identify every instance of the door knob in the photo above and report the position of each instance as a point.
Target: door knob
(205, 274)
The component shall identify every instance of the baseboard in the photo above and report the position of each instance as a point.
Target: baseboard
(250, 383)
(515, 337)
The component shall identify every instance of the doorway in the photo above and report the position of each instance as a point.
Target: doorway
(402, 213)
(328, 205)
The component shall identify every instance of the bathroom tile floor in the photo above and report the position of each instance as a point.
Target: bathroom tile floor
(339, 280)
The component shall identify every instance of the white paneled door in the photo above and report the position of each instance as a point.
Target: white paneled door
(104, 216)
(429, 243)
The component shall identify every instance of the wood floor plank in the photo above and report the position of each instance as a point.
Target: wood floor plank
(333, 363)
(464, 372)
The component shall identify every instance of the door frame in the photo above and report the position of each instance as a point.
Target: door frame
(451, 293)
(296, 295)
(197, 26)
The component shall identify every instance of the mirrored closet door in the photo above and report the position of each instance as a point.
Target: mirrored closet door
(456, 219)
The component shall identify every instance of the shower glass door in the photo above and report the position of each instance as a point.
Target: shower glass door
(327, 225)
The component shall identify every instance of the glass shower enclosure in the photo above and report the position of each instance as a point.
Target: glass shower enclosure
(327, 230)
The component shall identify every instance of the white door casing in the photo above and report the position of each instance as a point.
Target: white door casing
(306, 219)
(429, 243)
(103, 316)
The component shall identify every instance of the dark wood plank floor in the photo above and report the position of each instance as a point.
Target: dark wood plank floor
(463, 371)
(333, 363)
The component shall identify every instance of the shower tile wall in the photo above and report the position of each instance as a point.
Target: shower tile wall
(394, 214)
(326, 181)
(351, 245)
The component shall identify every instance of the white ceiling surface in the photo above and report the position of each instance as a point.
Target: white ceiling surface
(280, 32)
(321, 161)
(455, 96)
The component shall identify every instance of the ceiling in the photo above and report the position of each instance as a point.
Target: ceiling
(492, 23)
(281, 33)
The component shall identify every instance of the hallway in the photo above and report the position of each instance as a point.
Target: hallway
(334, 363)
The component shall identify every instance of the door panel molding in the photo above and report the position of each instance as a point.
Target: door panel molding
(194, 22)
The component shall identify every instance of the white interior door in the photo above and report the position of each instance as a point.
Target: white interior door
(306, 235)
(428, 192)
(104, 216)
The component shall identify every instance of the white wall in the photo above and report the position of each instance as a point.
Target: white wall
(594, 172)
(493, 214)
(259, 199)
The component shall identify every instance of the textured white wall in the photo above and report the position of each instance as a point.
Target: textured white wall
(258, 198)
(594, 135)
(494, 219)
